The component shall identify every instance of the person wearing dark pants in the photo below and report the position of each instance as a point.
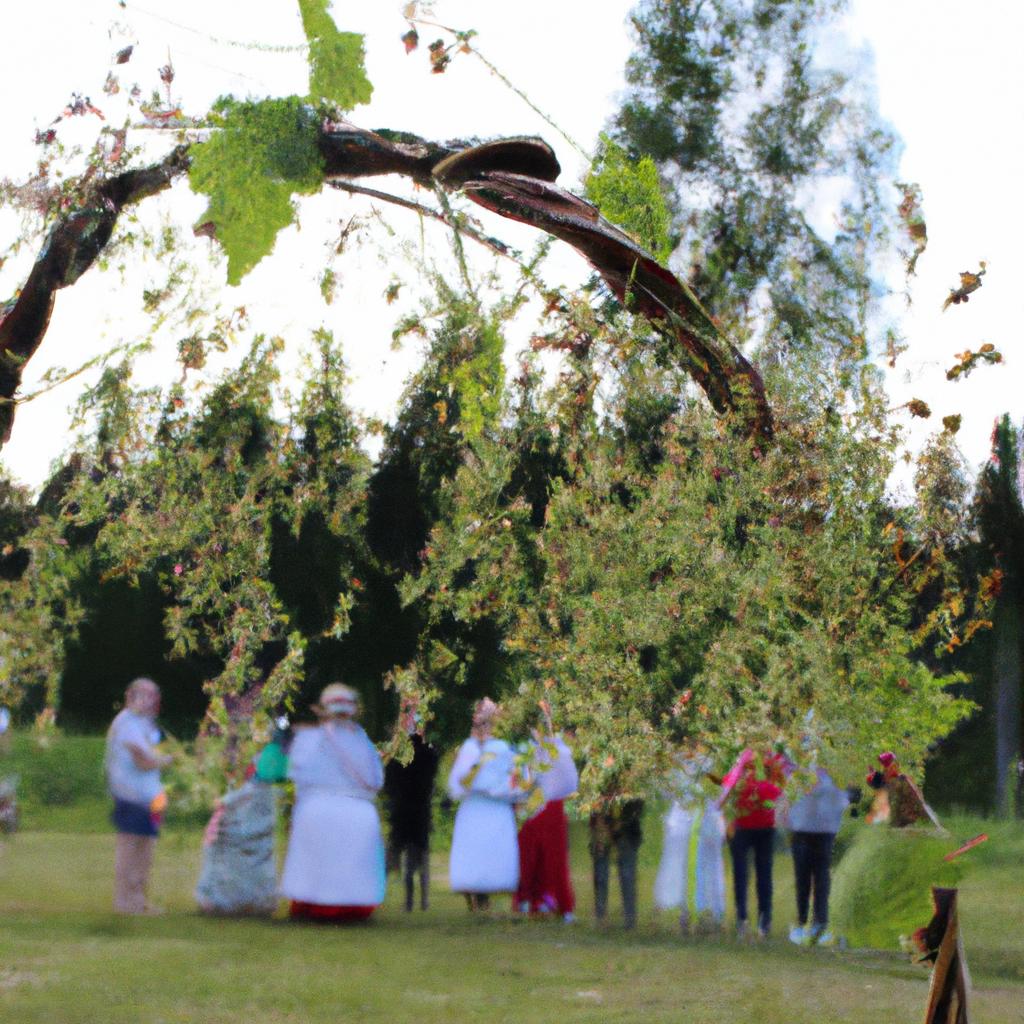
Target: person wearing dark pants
(762, 842)
(408, 799)
(616, 829)
(814, 820)
(753, 828)
(812, 855)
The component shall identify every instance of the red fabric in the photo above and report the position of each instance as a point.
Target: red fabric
(750, 804)
(544, 879)
(322, 912)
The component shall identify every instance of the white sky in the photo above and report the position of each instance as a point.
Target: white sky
(950, 82)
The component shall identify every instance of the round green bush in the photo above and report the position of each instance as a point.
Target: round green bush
(881, 890)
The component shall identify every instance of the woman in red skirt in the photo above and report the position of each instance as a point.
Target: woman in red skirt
(545, 886)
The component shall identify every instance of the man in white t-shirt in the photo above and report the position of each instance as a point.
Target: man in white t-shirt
(133, 777)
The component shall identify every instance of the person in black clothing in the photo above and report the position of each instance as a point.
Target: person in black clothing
(408, 799)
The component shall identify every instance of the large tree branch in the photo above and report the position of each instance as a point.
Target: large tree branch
(512, 177)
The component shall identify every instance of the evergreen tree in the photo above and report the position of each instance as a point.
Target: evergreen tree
(999, 506)
(450, 407)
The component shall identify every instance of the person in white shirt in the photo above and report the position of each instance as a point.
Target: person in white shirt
(133, 777)
(485, 852)
(545, 884)
(334, 868)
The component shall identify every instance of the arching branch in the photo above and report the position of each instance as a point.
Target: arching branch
(71, 247)
(512, 177)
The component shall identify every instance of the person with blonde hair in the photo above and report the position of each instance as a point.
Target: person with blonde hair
(133, 766)
(485, 850)
(334, 868)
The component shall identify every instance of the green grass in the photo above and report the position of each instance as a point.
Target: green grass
(64, 957)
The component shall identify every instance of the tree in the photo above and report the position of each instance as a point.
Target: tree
(685, 585)
(207, 504)
(260, 154)
(658, 572)
(730, 100)
(999, 507)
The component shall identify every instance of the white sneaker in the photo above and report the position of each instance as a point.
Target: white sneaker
(524, 907)
(569, 918)
(821, 936)
(798, 935)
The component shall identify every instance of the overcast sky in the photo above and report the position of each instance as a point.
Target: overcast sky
(949, 80)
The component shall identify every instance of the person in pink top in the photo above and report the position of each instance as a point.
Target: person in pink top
(752, 828)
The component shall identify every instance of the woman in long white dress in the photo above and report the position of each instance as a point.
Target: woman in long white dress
(485, 850)
(334, 869)
(691, 875)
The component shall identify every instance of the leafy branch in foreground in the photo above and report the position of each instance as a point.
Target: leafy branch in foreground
(337, 60)
(511, 177)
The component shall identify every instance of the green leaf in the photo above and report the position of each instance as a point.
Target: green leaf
(265, 152)
(628, 193)
(337, 70)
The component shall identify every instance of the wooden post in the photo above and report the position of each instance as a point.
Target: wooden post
(942, 942)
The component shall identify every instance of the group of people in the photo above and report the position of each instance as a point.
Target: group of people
(335, 864)
(743, 810)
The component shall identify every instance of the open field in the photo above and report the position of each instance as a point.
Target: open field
(64, 957)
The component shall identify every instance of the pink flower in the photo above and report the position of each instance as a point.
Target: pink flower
(178, 569)
(886, 758)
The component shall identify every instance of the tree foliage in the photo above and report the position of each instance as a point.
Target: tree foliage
(601, 548)
(266, 151)
(337, 72)
(686, 586)
(732, 102)
(999, 508)
(629, 195)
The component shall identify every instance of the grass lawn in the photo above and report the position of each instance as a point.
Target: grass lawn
(64, 957)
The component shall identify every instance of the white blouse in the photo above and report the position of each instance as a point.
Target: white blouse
(336, 756)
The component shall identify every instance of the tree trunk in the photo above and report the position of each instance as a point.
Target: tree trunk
(1007, 682)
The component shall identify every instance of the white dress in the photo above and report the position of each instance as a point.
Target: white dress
(691, 874)
(335, 849)
(485, 849)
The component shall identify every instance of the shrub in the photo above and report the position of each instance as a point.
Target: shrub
(58, 770)
(882, 888)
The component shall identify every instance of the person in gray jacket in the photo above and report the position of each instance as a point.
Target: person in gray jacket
(814, 821)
